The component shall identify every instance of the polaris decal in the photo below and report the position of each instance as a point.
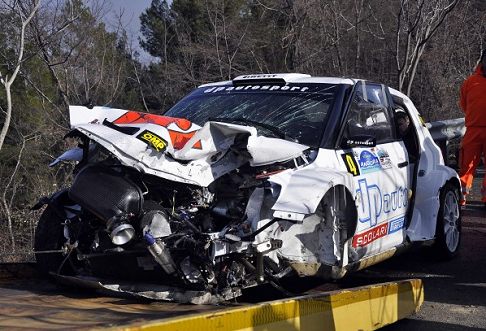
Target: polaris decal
(368, 162)
(396, 224)
(153, 140)
(257, 87)
(375, 204)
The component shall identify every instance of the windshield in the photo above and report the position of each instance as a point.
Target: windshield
(294, 112)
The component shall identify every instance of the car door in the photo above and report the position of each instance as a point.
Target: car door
(380, 176)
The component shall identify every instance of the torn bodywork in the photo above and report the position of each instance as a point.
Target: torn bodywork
(206, 210)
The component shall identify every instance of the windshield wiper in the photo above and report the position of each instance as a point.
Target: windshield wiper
(275, 130)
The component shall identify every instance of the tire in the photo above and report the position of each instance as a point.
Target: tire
(49, 235)
(448, 229)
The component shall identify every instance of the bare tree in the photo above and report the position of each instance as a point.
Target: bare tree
(7, 203)
(56, 20)
(417, 22)
(24, 16)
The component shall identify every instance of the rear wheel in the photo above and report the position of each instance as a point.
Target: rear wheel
(448, 230)
(49, 236)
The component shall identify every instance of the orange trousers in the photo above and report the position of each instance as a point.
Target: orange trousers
(473, 145)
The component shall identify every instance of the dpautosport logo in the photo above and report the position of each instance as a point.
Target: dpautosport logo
(376, 205)
(153, 140)
(289, 88)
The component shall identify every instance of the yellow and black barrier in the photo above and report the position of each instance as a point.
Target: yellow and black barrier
(362, 308)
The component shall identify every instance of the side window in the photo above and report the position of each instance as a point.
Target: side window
(405, 130)
(369, 114)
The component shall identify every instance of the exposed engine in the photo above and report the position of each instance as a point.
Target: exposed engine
(195, 214)
(194, 234)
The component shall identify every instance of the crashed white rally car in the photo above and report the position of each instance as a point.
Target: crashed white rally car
(244, 182)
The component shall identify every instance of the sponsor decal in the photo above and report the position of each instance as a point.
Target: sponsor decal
(367, 237)
(350, 163)
(217, 89)
(384, 159)
(178, 137)
(375, 204)
(153, 140)
(361, 142)
(396, 224)
(368, 162)
(259, 76)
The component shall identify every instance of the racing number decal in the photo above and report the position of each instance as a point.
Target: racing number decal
(351, 164)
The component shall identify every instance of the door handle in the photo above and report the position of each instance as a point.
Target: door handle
(403, 164)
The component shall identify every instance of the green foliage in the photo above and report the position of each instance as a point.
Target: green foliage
(157, 29)
(191, 15)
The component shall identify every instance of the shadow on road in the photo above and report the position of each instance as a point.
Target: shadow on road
(418, 325)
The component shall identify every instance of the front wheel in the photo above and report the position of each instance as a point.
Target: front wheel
(448, 230)
(49, 238)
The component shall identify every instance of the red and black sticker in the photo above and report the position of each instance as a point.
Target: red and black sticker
(351, 164)
(153, 140)
(371, 235)
(178, 138)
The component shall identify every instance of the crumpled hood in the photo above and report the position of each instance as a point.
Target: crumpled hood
(177, 149)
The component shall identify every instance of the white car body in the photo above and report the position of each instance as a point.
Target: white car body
(394, 201)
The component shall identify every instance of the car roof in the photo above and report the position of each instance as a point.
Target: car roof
(285, 77)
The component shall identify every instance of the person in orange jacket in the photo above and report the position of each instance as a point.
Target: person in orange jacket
(473, 145)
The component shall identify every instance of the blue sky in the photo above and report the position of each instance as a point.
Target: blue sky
(130, 10)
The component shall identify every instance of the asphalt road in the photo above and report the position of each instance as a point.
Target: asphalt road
(455, 291)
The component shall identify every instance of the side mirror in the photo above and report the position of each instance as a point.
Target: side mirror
(359, 141)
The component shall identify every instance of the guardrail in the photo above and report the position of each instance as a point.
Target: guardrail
(447, 129)
(446, 135)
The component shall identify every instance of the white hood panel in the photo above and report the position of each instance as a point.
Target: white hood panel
(214, 150)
